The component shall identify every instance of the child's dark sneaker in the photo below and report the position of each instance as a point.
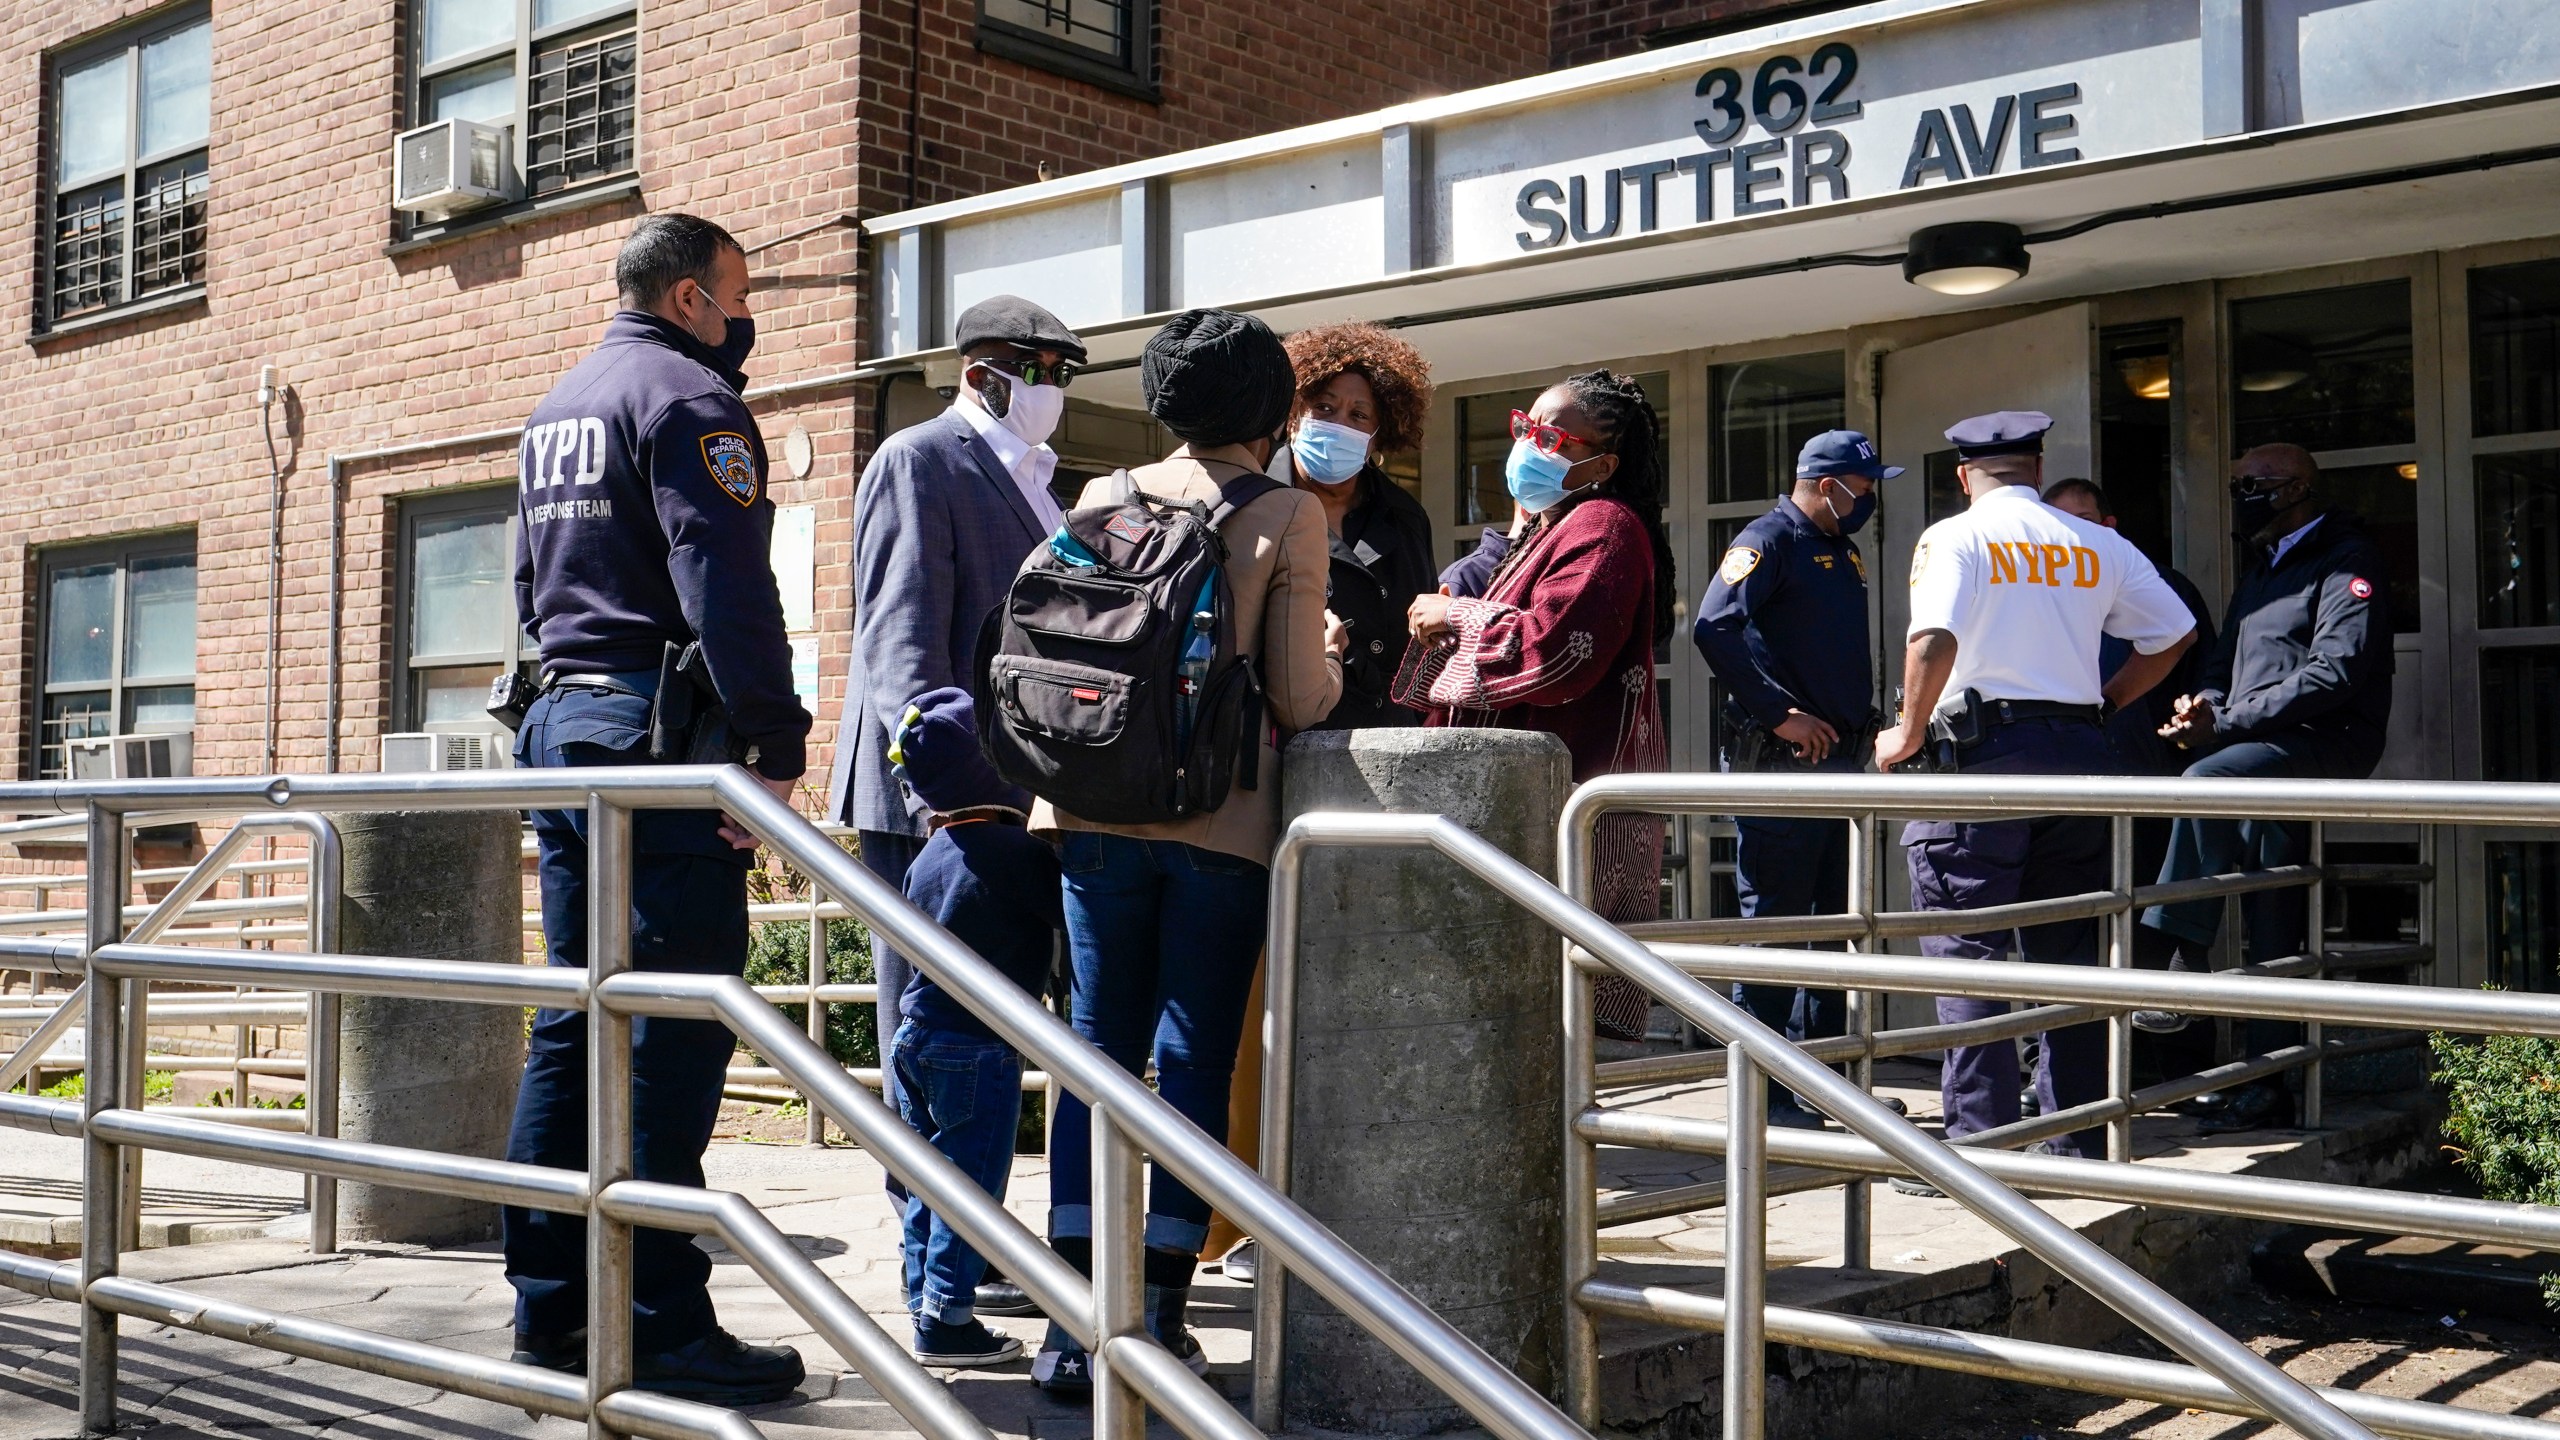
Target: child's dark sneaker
(963, 1347)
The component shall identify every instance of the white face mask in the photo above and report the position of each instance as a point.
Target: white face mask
(1035, 411)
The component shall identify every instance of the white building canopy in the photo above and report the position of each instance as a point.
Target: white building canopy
(1768, 183)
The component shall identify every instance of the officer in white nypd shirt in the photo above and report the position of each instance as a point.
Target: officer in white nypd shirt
(645, 524)
(2008, 601)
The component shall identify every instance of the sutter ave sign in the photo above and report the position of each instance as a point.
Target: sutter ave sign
(1994, 90)
(1786, 140)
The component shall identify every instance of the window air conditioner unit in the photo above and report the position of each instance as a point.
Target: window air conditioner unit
(453, 166)
(429, 752)
(133, 757)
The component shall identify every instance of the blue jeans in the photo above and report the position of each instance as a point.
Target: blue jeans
(964, 1094)
(1165, 937)
(688, 915)
(2278, 920)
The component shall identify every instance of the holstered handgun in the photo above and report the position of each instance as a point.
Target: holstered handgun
(687, 723)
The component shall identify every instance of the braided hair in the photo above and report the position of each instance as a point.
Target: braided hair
(1630, 430)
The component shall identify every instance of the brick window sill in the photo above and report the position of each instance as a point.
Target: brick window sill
(521, 212)
(167, 302)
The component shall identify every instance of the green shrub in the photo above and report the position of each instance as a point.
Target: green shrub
(156, 1085)
(2504, 1097)
(778, 954)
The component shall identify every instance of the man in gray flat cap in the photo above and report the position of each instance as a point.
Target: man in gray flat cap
(945, 513)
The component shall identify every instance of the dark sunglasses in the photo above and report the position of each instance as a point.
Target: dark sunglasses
(1031, 369)
(1545, 439)
(2244, 486)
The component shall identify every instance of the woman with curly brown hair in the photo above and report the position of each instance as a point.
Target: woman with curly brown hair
(1362, 392)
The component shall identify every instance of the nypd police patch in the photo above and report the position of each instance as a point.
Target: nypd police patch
(732, 463)
(1739, 562)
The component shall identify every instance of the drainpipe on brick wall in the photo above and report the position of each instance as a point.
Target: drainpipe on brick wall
(342, 462)
(275, 549)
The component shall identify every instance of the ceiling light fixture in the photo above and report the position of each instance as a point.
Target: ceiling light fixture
(2147, 376)
(1968, 257)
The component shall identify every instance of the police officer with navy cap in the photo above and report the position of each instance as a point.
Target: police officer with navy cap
(645, 525)
(2000, 676)
(1784, 628)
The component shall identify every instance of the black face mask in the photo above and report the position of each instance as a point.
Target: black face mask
(2252, 511)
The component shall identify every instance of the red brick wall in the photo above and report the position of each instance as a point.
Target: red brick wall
(1226, 71)
(1587, 30)
(767, 115)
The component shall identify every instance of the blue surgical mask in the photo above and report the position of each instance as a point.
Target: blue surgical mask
(1536, 478)
(1327, 453)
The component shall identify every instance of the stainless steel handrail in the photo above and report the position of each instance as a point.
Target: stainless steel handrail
(1133, 1120)
(2109, 994)
(2069, 1253)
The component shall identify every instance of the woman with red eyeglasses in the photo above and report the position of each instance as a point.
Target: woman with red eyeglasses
(1562, 639)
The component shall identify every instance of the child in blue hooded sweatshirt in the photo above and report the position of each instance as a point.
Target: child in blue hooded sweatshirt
(989, 882)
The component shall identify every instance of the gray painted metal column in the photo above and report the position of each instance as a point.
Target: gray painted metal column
(1426, 1130)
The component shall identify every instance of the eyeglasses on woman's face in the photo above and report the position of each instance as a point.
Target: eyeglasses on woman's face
(1546, 439)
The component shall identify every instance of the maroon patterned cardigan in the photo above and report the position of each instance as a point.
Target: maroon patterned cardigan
(1563, 642)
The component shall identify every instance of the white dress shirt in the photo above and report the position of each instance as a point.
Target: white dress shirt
(2026, 590)
(2276, 556)
(1029, 465)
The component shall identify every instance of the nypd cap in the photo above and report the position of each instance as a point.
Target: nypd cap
(2003, 432)
(1012, 320)
(1842, 452)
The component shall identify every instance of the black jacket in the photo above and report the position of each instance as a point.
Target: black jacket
(2306, 648)
(1381, 561)
(646, 523)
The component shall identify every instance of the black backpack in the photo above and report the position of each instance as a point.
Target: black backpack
(1108, 680)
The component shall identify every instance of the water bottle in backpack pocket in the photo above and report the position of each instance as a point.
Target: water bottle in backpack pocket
(1109, 682)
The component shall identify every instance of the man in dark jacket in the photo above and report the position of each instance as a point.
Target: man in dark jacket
(2299, 685)
(644, 525)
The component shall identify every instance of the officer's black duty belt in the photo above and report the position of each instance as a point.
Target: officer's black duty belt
(2004, 712)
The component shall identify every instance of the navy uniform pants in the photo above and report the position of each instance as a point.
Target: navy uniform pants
(689, 915)
(2277, 921)
(1795, 865)
(1968, 865)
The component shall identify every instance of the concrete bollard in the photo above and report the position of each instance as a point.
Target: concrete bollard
(1427, 1129)
(429, 1074)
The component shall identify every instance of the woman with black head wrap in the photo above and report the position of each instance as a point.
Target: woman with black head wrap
(1164, 921)
(1562, 639)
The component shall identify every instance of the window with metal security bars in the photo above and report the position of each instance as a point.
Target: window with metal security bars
(585, 103)
(127, 122)
(562, 76)
(1110, 43)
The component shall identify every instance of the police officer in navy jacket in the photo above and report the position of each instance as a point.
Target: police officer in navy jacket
(1784, 628)
(644, 524)
(2298, 686)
